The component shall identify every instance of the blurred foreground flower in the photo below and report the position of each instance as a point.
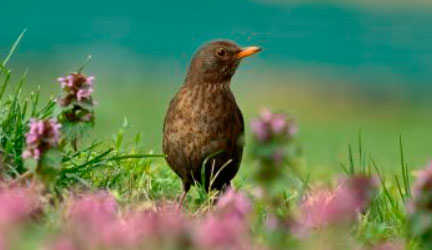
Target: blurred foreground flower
(228, 226)
(273, 126)
(390, 245)
(92, 217)
(17, 205)
(273, 144)
(95, 222)
(234, 203)
(323, 207)
(419, 207)
(61, 243)
(276, 153)
(422, 191)
(42, 136)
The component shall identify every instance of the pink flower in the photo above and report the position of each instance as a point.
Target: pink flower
(96, 221)
(90, 80)
(278, 123)
(93, 209)
(423, 182)
(84, 94)
(62, 243)
(390, 245)
(341, 205)
(77, 86)
(260, 131)
(16, 205)
(66, 82)
(92, 217)
(421, 191)
(227, 227)
(42, 136)
(272, 125)
(3, 245)
(235, 203)
(266, 115)
(222, 232)
(154, 228)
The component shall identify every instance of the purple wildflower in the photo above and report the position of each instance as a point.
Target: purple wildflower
(16, 205)
(423, 182)
(96, 222)
(227, 226)
(273, 134)
(93, 209)
(343, 204)
(260, 130)
(42, 136)
(84, 94)
(390, 245)
(272, 125)
(93, 219)
(419, 207)
(62, 243)
(164, 227)
(78, 87)
(222, 232)
(278, 123)
(421, 191)
(235, 203)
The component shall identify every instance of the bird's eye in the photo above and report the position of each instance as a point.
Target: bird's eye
(221, 52)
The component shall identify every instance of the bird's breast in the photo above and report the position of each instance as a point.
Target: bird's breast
(207, 107)
(204, 118)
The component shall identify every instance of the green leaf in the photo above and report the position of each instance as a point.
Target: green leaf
(30, 164)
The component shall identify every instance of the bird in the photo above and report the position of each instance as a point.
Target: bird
(203, 131)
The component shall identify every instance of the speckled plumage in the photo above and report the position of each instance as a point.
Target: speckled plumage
(203, 119)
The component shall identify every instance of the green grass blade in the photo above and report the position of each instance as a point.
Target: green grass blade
(404, 168)
(136, 156)
(5, 84)
(12, 50)
(351, 159)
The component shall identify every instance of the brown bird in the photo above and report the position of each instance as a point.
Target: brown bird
(204, 125)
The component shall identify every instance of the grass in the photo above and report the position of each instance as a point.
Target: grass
(136, 176)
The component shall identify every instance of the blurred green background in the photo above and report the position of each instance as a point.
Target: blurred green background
(338, 66)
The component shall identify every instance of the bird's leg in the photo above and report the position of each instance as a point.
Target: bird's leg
(180, 205)
(226, 187)
(186, 188)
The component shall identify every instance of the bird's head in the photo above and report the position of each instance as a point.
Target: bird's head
(216, 62)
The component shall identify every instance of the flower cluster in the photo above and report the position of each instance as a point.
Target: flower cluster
(227, 227)
(323, 207)
(273, 134)
(42, 136)
(96, 222)
(390, 245)
(77, 103)
(422, 191)
(234, 203)
(17, 206)
(78, 88)
(269, 126)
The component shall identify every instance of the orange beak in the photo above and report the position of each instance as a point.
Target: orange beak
(245, 52)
